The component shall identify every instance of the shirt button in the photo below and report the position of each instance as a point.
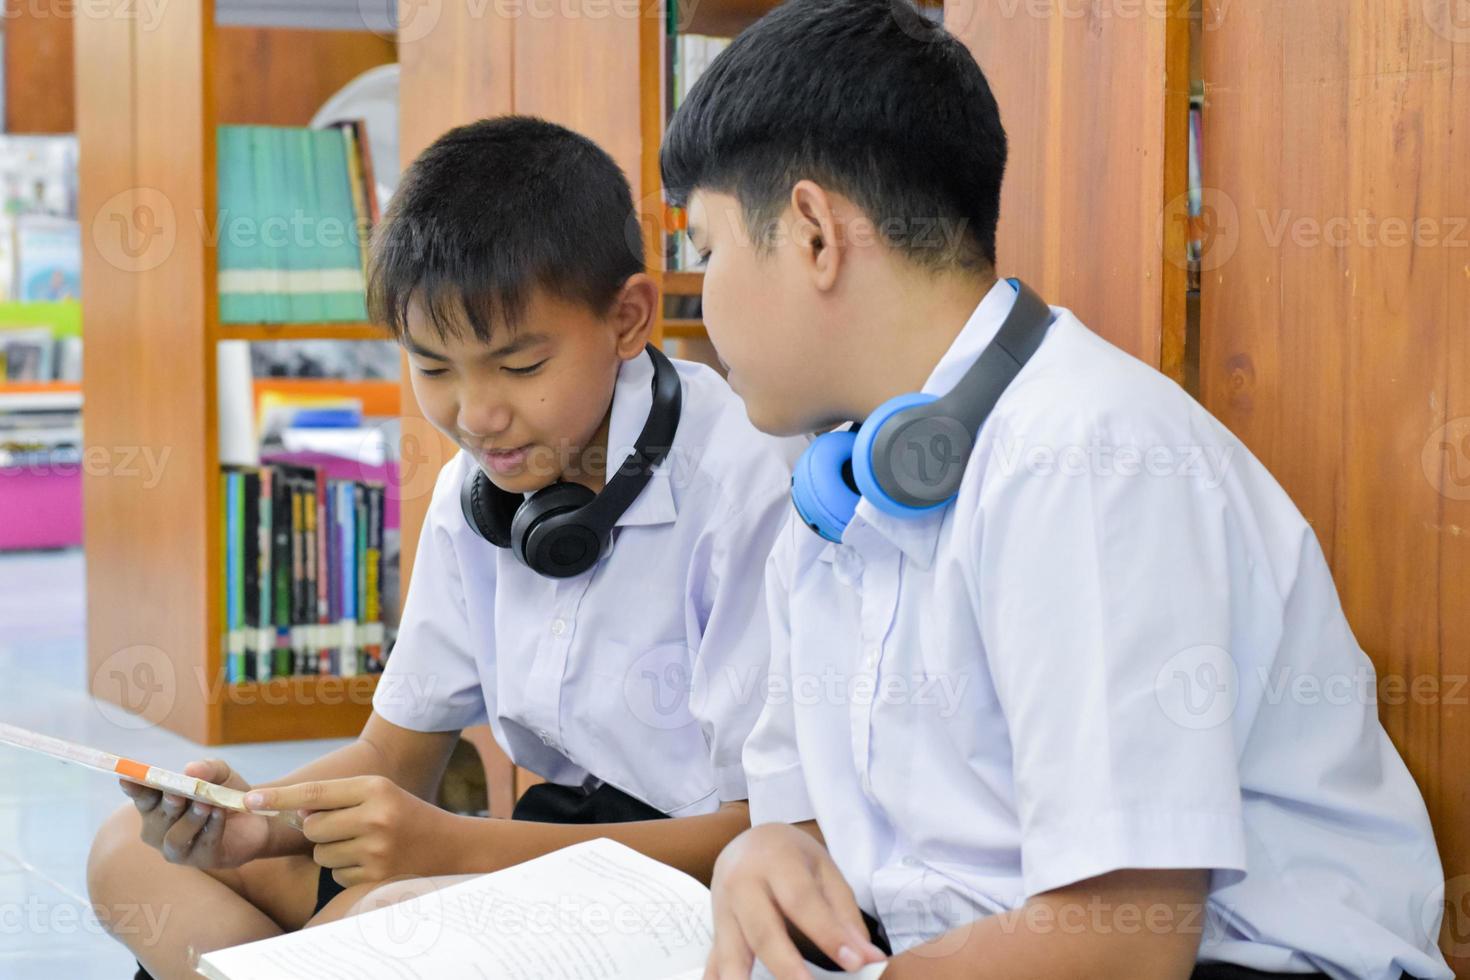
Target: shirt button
(542, 734)
(872, 660)
(558, 627)
(867, 784)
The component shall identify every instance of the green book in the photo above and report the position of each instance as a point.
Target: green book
(342, 286)
(232, 150)
(306, 258)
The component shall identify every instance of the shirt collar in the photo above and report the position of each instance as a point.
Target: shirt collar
(632, 399)
(918, 537)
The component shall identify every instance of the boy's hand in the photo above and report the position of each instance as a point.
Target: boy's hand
(368, 828)
(197, 834)
(774, 878)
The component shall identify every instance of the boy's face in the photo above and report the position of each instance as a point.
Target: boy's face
(531, 402)
(765, 319)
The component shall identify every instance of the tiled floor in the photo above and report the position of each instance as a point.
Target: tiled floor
(49, 811)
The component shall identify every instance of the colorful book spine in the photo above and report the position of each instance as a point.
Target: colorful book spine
(234, 585)
(323, 582)
(265, 625)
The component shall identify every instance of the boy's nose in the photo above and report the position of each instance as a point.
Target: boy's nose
(483, 415)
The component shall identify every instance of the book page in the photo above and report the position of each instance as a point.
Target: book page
(593, 911)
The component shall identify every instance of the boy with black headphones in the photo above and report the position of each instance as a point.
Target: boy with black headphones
(588, 580)
(1054, 611)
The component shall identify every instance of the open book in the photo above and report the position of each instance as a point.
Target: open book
(593, 911)
(176, 783)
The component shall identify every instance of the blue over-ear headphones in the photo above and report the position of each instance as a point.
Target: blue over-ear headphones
(562, 530)
(909, 456)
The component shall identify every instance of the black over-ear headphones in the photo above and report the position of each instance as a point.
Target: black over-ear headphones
(564, 529)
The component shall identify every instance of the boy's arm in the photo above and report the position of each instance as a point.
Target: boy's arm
(413, 760)
(690, 844)
(1125, 924)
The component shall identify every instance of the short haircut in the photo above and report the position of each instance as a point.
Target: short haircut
(493, 211)
(867, 97)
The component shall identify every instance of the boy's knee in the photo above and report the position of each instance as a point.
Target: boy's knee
(115, 853)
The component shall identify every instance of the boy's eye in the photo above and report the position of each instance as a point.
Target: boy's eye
(432, 372)
(531, 369)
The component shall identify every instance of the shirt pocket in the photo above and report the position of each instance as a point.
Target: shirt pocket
(637, 711)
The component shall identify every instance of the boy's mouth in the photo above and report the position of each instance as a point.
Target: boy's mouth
(503, 461)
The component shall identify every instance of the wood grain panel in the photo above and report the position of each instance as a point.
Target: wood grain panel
(148, 368)
(281, 77)
(39, 81)
(1093, 100)
(1335, 339)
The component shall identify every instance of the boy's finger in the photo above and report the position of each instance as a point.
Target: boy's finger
(804, 905)
(329, 826)
(766, 937)
(840, 897)
(730, 957)
(335, 856)
(210, 770)
(213, 832)
(179, 840)
(326, 794)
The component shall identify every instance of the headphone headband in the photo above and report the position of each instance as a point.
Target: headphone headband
(919, 452)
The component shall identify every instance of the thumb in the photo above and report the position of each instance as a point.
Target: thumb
(215, 771)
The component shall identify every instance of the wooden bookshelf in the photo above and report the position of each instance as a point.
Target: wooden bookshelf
(300, 331)
(148, 99)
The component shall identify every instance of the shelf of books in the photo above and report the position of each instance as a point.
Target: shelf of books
(240, 594)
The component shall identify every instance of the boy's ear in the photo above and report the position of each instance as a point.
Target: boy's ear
(815, 232)
(632, 314)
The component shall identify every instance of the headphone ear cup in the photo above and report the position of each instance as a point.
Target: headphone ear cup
(488, 509)
(822, 487)
(552, 547)
(871, 474)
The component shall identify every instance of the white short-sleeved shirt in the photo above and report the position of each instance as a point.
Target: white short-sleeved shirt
(603, 676)
(1094, 660)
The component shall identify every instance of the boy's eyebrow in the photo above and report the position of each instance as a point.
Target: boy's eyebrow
(414, 348)
(517, 344)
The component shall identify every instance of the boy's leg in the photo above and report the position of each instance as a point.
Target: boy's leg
(366, 898)
(161, 911)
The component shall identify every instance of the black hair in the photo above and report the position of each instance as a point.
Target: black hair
(868, 98)
(493, 211)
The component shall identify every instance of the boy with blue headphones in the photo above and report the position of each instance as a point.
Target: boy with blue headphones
(588, 580)
(1037, 618)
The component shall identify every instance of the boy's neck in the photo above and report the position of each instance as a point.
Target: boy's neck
(909, 332)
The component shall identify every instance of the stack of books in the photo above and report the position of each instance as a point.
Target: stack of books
(302, 559)
(296, 209)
